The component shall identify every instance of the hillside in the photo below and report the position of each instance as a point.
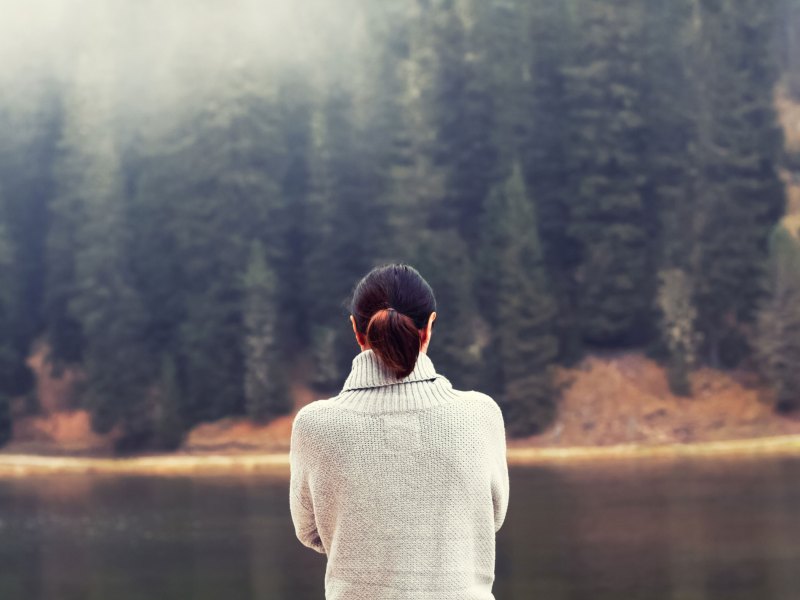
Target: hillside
(610, 399)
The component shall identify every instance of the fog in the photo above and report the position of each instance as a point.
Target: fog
(152, 55)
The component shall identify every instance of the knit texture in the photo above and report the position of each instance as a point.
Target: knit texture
(402, 484)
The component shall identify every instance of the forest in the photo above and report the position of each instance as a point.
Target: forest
(189, 192)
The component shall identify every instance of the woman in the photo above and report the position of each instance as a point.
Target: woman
(400, 479)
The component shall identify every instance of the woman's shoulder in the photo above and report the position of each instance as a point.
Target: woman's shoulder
(482, 404)
(481, 399)
(307, 410)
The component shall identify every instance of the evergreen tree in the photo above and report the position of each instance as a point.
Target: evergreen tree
(65, 214)
(8, 355)
(456, 348)
(416, 175)
(520, 309)
(789, 43)
(778, 334)
(607, 210)
(265, 387)
(463, 112)
(212, 185)
(678, 327)
(390, 102)
(295, 106)
(545, 153)
(30, 124)
(671, 105)
(499, 40)
(671, 102)
(167, 421)
(739, 194)
(348, 227)
(101, 299)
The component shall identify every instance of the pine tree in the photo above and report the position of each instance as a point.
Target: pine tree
(347, 226)
(295, 106)
(102, 301)
(463, 113)
(65, 214)
(545, 154)
(265, 386)
(671, 103)
(499, 43)
(739, 194)
(30, 123)
(789, 41)
(678, 327)
(778, 333)
(607, 210)
(520, 308)
(167, 425)
(211, 185)
(456, 346)
(8, 354)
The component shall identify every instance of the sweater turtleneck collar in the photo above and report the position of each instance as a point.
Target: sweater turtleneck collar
(370, 387)
(368, 371)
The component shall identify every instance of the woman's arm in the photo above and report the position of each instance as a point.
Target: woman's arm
(300, 501)
(500, 487)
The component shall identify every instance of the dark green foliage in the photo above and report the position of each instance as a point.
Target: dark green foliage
(678, 324)
(778, 338)
(789, 44)
(167, 421)
(462, 109)
(8, 355)
(545, 153)
(670, 96)
(519, 308)
(213, 186)
(111, 314)
(670, 100)
(27, 155)
(101, 298)
(65, 213)
(458, 336)
(191, 233)
(778, 346)
(608, 216)
(265, 387)
(739, 194)
(348, 224)
(294, 106)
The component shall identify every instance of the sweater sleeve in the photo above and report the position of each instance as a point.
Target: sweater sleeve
(500, 486)
(300, 502)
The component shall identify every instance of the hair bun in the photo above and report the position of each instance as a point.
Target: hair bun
(395, 338)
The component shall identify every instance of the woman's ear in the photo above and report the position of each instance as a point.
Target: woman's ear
(426, 340)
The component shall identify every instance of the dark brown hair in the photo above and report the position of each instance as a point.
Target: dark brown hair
(391, 304)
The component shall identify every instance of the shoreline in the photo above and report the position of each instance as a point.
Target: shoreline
(21, 465)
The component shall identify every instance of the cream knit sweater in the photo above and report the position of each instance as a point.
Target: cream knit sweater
(402, 484)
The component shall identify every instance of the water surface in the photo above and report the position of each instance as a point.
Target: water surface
(623, 530)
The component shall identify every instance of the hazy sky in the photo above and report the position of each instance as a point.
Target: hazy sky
(146, 40)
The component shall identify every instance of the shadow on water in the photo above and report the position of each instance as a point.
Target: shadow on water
(640, 529)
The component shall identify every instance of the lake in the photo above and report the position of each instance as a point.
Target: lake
(623, 530)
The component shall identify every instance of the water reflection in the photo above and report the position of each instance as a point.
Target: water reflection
(673, 530)
(651, 530)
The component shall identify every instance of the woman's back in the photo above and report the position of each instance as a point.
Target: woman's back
(403, 484)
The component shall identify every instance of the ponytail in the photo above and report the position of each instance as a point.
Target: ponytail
(394, 337)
